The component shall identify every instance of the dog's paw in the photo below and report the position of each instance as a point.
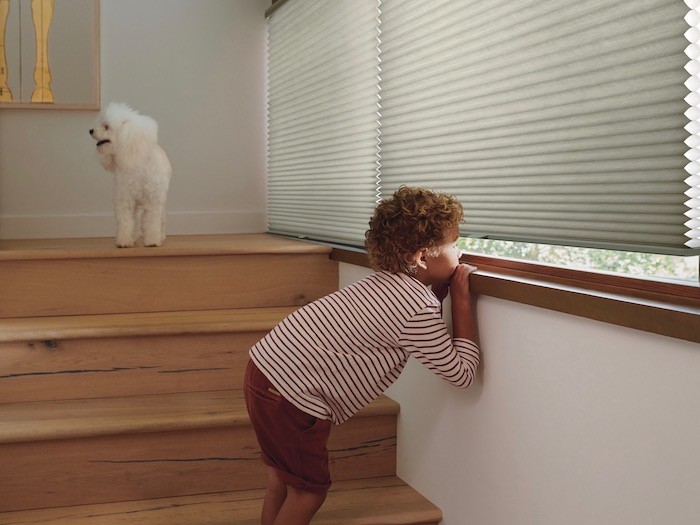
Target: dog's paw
(151, 239)
(123, 243)
(151, 242)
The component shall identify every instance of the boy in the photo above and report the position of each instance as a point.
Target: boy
(335, 355)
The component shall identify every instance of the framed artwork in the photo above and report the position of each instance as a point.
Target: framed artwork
(49, 54)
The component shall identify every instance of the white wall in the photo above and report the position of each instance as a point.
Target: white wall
(197, 67)
(571, 421)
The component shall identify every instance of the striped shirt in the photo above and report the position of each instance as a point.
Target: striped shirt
(335, 355)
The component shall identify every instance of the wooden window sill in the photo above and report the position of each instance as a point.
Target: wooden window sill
(659, 307)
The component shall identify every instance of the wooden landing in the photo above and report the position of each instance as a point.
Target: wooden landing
(231, 244)
(213, 272)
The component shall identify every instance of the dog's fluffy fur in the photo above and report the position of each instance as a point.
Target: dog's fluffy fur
(127, 145)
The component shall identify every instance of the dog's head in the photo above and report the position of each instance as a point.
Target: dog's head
(123, 132)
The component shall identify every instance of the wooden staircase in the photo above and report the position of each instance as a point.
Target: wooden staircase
(120, 385)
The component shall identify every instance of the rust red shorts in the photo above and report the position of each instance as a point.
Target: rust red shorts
(293, 442)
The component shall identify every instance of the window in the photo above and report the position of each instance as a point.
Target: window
(555, 123)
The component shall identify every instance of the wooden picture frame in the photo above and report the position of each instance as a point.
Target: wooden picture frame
(50, 54)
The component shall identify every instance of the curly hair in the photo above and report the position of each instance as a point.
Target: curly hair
(413, 218)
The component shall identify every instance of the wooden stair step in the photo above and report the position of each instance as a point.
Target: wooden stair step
(63, 453)
(110, 355)
(378, 501)
(91, 276)
(81, 418)
(142, 324)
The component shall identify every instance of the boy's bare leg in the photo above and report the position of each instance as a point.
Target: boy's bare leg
(274, 497)
(299, 507)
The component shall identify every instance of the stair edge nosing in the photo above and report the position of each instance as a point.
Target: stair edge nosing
(170, 423)
(143, 327)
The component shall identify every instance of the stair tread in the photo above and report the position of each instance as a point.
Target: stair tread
(175, 245)
(376, 501)
(142, 323)
(80, 418)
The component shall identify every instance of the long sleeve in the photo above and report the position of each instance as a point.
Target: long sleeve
(425, 337)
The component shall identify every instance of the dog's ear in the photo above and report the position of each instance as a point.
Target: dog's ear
(136, 137)
(138, 128)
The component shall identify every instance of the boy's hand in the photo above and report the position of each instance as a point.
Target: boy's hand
(459, 282)
(463, 323)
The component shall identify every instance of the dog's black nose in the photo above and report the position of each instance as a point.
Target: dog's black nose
(91, 131)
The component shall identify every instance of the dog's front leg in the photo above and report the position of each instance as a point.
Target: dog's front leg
(125, 228)
(125, 213)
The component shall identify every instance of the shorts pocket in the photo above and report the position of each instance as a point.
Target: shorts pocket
(265, 394)
(322, 427)
(315, 426)
(302, 421)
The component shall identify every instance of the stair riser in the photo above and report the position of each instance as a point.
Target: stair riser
(123, 366)
(143, 466)
(33, 288)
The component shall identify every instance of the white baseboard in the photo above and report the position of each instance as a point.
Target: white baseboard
(103, 225)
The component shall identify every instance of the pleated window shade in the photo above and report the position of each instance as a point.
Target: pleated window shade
(552, 121)
(323, 97)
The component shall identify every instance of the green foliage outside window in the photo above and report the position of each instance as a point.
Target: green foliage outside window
(629, 263)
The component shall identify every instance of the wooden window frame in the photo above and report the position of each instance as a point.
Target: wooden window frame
(658, 307)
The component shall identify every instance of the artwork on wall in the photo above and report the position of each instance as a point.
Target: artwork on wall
(49, 54)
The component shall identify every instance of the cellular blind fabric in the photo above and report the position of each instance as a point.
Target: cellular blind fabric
(555, 122)
(323, 99)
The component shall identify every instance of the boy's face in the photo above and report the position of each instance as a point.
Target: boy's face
(439, 268)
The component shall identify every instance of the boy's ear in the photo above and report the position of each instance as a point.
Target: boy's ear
(420, 258)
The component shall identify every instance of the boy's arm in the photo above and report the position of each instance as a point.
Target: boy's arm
(463, 324)
(425, 337)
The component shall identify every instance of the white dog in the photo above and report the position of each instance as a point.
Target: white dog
(127, 144)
